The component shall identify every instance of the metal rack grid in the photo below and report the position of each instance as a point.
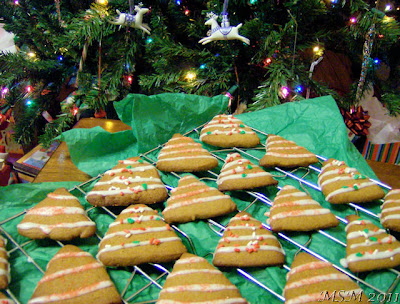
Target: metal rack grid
(155, 273)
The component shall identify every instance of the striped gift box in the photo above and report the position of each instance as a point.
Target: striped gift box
(387, 153)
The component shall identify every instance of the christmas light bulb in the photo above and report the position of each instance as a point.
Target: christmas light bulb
(353, 20)
(267, 61)
(178, 2)
(16, 2)
(130, 79)
(149, 40)
(387, 19)
(28, 102)
(31, 54)
(102, 2)
(298, 89)
(202, 66)
(60, 58)
(253, 1)
(388, 7)
(4, 91)
(376, 61)
(29, 89)
(187, 12)
(190, 76)
(285, 92)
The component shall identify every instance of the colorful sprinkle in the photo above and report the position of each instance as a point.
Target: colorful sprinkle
(366, 230)
(356, 187)
(144, 186)
(344, 187)
(135, 242)
(242, 132)
(128, 167)
(208, 133)
(359, 254)
(130, 221)
(237, 250)
(249, 167)
(243, 175)
(374, 239)
(241, 125)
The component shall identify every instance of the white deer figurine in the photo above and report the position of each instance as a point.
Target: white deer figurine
(134, 21)
(226, 32)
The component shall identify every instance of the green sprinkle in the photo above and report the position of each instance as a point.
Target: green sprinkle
(362, 177)
(366, 230)
(359, 254)
(130, 221)
(140, 161)
(374, 239)
(208, 133)
(144, 186)
(241, 125)
(249, 167)
(135, 242)
(244, 175)
(344, 187)
(242, 132)
(355, 187)
(356, 176)
(129, 167)
(158, 219)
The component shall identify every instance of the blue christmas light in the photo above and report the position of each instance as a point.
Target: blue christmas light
(376, 61)
(253, 1)
(202, 66)
(178, 2)
(149, 40)
(60, 58)
(298, 89)
(28, 102)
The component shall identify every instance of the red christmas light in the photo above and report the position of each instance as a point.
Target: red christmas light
(130, 79)
(29, 89)
(74, 110)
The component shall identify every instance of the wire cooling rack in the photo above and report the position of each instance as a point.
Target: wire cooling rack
(150, 277)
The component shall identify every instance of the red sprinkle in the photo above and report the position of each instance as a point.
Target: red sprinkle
(151, 217)
(256, 246)
(260, 238)
(168, 226)
(112, 174)
(130, 171)
(121, 161)
(226, 240)
(220, 245)
(121, 193)
(124, 170)
(157, 242)
(151, 241)
(237, 250)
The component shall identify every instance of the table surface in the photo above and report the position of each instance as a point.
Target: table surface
(61, 168)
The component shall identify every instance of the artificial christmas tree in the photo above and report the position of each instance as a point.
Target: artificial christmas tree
(111, 54)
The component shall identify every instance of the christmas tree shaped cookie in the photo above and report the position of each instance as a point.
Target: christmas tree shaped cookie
(246, 243)
(285, 153)
(369, 247)
(74, 276)
(311, 280)
(132, 181)
(193, 200)
(390, 215)
(294, 210)
(60, 216)
(341, 184)
(5, 300)
(194, 280)
(138, 235)
(227, 131)
(239, 173)
(183, 154)
(4, 265)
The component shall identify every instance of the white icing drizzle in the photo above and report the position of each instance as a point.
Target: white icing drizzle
(4, 261)
(218, 132)
(135, 231)
(239, 176)
(392, 192)
(350, 189)
(306, 212)
(390, 217)
(71, 294)
(70, 255)
(143, 218)
(6, 301)
(46, 229)
(192, 271)
(196, 201)
(222, 125)
(296, 194)
(356, 234)
(309, 266)
(243, 248)
(132, 245)
(55, 210)
(186, 157)
(133, 169)
(241, 227)
(285, 148)
(305, 202)
(68, 271)
(391, 209)
(335, 171)
(279, 142)
(134, 162)
(129, 180)
(191, 193)
(375, 255)
(386, 202)
(118, 191)
(137, 209)
(61, 197)
(236, 162)
(317, 279)
(387, 240)
(198, 287)
(174, 146)
(190, 260)
(218, 301)
(242, 218)
(284, 155)
(181, 138)
(247, 238)
(357, 222)
(198, 150)
(191, 185)
(336, 179)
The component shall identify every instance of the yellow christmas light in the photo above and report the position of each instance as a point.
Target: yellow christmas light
(318, 50)
(31, 54)
(102, 2)
(387, 19)
(190, 76)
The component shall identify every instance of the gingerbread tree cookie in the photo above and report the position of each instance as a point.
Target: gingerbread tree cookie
(246, 243)
(4, 265)
(341, 184)
(139, 235)
(369, 247)
(311, 280)
(227, 131)
(132, 181)
(239, 173)
(60, 216)
(294, 210)
(194, 280)
(183, 154)
(74, 276)
(285, 153)
(193, 200)
(390, 215)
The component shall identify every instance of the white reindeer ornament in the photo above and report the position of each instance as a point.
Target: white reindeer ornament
(135, 21)
(224, 32)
